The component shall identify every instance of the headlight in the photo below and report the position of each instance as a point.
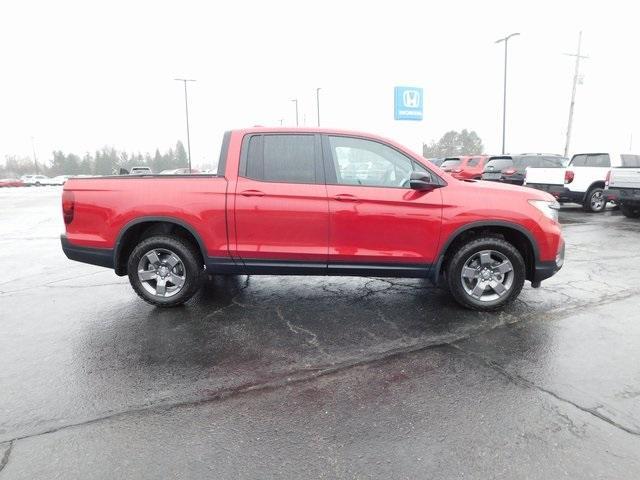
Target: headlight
(548, 209)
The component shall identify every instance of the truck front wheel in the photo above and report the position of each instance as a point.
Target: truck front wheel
(165, 271)
(485, 273)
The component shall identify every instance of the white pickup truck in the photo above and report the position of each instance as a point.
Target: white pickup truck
(622, 185)
(582, 182)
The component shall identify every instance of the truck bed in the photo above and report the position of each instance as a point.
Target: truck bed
(624, 178)
(545, 176)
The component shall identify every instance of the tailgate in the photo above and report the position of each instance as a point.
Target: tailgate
(544, 176)
(624, 178)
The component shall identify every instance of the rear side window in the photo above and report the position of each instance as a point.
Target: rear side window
(498, 165)
(281, 158)
(591, 160)
(630, 161)
(473, 161)
(450, 162)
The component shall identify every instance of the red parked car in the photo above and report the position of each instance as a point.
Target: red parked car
(314, 202)
(11, 182)
(470, 167)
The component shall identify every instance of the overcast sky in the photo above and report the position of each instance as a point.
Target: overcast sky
(80, 75)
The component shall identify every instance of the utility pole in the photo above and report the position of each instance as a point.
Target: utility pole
(504, 94)
(186, 107)
(576, 77)
(35, 159)
(295, 100)
(318, 103)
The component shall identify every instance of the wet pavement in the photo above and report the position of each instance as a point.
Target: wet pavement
(314, 377)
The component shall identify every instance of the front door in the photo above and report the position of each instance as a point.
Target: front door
(281, 207)
(377, 221)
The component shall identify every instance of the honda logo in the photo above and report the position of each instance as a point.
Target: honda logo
(411, 98)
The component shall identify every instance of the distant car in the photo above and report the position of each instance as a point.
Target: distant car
(140, 171)
(513, 168)
(583, 181)
(60, 179)
(36, 180)
(622, 185)
(470, 167)
(11, 182)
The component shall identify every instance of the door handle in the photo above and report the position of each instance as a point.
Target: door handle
(345, 197)
(252, 193)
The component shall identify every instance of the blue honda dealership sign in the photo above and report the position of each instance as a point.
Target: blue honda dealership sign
(408, 103)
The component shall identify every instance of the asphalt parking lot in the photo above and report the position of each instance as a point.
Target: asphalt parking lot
(312, 377)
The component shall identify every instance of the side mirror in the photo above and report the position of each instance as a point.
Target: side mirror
(422, 181)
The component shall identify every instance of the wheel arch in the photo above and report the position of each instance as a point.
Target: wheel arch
(517, 235)
(143, 227)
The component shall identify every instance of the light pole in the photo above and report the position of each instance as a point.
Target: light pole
(318, 103)
(504, 97)
(186, 107)
(35, 159)
(295, 100)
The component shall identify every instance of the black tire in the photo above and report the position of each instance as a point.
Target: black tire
(595, 202)
(630, 211)
(466, 253)
(189, 258)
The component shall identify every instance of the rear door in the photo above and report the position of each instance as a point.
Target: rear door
(281, 208)
(377, 223)
(588, 169)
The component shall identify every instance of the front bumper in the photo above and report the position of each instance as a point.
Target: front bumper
(544, 270)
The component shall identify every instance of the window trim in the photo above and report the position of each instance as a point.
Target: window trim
(331, 176)
(317, 157)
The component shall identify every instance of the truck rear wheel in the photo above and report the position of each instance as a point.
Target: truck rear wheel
(595, 201)
(485, 273)
(165, 271)
(630, 211)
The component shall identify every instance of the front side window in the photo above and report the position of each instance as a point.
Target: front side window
(365, 162)
(281, 158)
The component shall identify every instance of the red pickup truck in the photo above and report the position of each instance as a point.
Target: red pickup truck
(314, 202)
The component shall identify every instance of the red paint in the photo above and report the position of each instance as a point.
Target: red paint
(242, 218)
(471, 167)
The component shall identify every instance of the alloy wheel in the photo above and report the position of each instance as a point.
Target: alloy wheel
(161, 272)
(487, 275)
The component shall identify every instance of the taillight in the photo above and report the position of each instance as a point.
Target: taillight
(509, 171)
(607, 178)
(68, 206)
(568, 176)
